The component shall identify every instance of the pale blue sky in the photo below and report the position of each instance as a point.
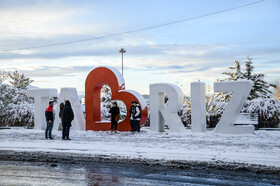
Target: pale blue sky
(180, 53)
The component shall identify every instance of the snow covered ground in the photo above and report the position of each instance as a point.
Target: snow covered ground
(263, 148)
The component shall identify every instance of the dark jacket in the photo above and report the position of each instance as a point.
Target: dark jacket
(135, 112)
(49, 114)
(61, 106)
(132, 112)
(67, 115)
(114, 111)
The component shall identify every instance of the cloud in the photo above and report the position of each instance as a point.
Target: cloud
(188, 51)
(160, 59)
(272, 71)
(34, 23)
(110, 47)
(55, 71)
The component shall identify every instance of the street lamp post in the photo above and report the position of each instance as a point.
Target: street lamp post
(122, 51)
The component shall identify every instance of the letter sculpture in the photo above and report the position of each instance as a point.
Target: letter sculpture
(240, 91)
(41, 98)
(198, 106)
(96, 79)
(70, 94)
(161, 112)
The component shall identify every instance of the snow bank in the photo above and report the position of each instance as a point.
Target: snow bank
(263, 148)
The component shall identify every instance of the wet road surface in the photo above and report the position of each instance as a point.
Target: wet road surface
(38, 173)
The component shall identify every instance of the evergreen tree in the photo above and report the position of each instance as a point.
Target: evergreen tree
(105, 99)
(3, 76)
(232, 76)
(19, 81)
(225, 96)
(236, 74)
(106, 104)
(260, 87)
(16, 109)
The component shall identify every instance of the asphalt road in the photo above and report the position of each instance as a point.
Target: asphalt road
(38, 173)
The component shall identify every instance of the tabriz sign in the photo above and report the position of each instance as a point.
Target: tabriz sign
(160, 113)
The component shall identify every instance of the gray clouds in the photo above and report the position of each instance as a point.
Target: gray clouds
(148, 57)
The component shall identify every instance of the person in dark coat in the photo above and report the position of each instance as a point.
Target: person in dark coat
(115, 116)
(50, 119)
(67, 118)
(137, 116)
(61, 106)
(132, 112)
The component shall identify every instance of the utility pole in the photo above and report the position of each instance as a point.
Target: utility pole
(122, 51)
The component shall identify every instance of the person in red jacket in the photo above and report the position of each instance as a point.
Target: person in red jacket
(50, 119)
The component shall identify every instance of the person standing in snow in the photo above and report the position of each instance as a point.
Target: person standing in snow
(115, 116)
(50, 119)
(135, 116)
(67, 118)
(61, 106)
(131, 114)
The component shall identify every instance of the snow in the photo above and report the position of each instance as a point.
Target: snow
(15, 107)
(263, 148)
(117, 74)
(139, 97)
